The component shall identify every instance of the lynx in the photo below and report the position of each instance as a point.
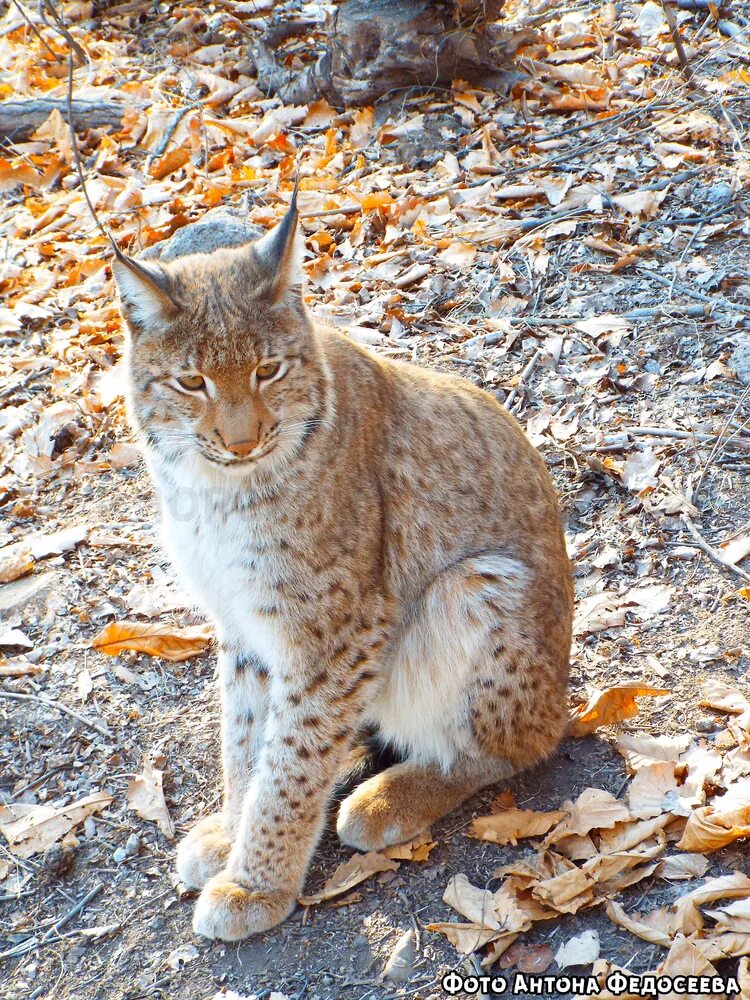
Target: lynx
(378, 546)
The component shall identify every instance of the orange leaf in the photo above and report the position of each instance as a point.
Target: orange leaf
(611, 705)
(378, 199)
(168, 163)
(167, 641)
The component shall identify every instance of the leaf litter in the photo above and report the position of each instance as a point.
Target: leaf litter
(520, 240)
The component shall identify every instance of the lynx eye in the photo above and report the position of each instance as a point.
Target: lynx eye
(192, 382)
(268, 369)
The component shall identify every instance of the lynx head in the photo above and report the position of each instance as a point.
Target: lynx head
(225, 369)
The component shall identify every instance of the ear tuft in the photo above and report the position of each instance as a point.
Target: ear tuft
(144, 294)
(280, 252)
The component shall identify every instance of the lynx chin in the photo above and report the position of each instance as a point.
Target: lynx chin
(379, 548)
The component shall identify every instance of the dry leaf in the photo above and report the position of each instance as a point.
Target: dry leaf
(42, 826)
(15, 561)
(170, 642)
(358, 868)
(477, 905)
(634, 923)
(594, 809)
(512, 825)
(527, 958)
(583, 949)
(605, 708)
(687, 917)
(723, 698)
(466, 938)
(626, 836)
(145, 794)
(725, 819)
(640, 750)
(653, 790)
(682, 867)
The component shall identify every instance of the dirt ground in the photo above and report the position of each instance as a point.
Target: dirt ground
(666, 368)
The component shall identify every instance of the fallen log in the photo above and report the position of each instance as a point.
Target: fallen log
(375, 47)
(20, 119)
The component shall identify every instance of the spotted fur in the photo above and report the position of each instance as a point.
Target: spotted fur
(378, 545)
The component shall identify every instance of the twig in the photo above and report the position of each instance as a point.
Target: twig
(73, 46)
(30, 943)
(60, 25)
(167, 137)
(717, 557)
(487, 339)
(677, 40)
(721, 441)
(36, 30)
(718, 301)
(525, 375)
(662, 432)
(29, 377)
(60, 707)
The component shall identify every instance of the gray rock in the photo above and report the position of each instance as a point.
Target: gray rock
(19, 595)
(719, 194)
(400, 965)
(219, 228)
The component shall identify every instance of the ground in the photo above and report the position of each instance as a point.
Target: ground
(624, 305)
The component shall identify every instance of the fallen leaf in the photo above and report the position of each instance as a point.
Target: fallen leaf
(583, 949)
(594, 809)
(465, 938)
(181, 955)
(15, 561)
(682, 867)
(634, 923)
(171, 642)
(598, 612)
(640, 470)
(512, 825)
(42, 826)
(527, 958)
(605, 708)
(642, 749)
(723, 697)
(145, 794)
(653, 790)
(358, 868)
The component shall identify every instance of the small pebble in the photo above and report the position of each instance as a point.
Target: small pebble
(706, 726)
(58, 860)
(120, 855)
(133, 845)
(719, 194)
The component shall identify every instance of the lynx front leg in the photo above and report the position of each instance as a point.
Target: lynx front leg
(310, 726)
(205, 850)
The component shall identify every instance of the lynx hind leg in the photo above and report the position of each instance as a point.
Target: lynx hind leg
(475, 694)
(397, 804)
(204, 852)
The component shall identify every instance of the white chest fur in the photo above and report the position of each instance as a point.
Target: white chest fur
(215, 548)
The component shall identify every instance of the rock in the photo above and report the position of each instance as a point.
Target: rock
(400, 965)
(219, 228)
(133, 845)
(58, 860)
(120, 855)
(740, 359)
(719, 194)
(17, 596)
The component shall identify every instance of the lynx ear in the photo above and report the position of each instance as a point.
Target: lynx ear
(144, 294)
(279, 254)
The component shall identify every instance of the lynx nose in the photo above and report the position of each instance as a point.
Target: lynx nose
(240, 448)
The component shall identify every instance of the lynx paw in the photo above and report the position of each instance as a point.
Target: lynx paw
(230, 912)
(367, 821)
(204, 852)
